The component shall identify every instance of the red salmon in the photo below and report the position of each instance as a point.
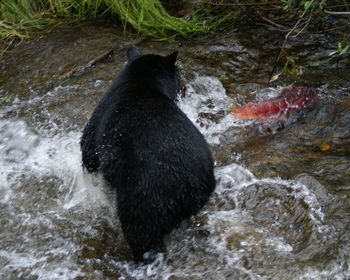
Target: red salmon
(290, 99)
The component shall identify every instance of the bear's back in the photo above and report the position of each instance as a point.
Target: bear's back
(153, 136)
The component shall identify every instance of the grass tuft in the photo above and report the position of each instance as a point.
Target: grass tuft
(18, 18)
(149, 17)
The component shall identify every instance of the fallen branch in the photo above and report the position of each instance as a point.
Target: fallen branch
(80, 69)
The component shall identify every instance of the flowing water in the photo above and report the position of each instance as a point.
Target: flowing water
(281, 209)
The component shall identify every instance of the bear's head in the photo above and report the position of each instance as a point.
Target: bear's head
(153, 73)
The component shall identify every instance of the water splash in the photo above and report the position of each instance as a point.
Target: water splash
(206, 99)
(43, 189)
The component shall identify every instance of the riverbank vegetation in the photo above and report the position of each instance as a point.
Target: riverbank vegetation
(167, 18)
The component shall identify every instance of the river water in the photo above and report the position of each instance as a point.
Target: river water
(281, 209)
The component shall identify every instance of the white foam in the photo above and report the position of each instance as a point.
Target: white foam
(207, 95)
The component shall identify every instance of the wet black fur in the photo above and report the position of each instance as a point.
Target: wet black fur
(148, 149)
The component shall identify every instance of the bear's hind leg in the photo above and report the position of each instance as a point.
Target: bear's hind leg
(147, 253)
(142, 235)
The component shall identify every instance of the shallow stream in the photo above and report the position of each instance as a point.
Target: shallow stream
(281, 209)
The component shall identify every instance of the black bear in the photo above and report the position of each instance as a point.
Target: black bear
(146, 147)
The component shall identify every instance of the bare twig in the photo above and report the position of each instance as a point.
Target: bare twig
(238, 4)
(303, 28)
(280, 26)
(285, 41)
(336, 13)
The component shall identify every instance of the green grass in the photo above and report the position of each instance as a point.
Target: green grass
(78, 9)
(149, 17)
(18, 18)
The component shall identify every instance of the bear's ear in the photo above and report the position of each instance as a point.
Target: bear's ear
(133, 53)
(172, 58)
